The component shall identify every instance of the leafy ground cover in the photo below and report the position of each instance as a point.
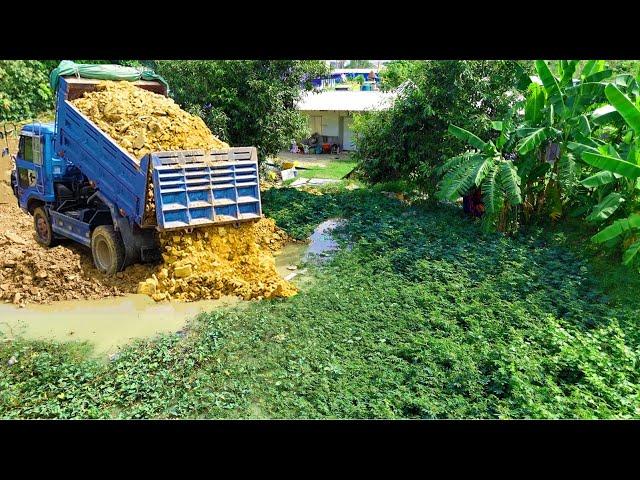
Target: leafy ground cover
(424, 316)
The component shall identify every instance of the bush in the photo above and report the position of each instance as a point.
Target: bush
(247, 102)
(24, 89)
(410, 140)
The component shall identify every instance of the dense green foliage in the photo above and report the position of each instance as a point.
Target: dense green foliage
(424, 317)
(568, 153)
(398, 71)
(360, 64)
(408, 140)
(24, 89)
(245, 102)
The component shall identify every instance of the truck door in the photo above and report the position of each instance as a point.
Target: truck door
(29, 167)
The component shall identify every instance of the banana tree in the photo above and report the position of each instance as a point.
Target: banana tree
(617, 165)
(556, 116)
(485, 167)
(531, 162)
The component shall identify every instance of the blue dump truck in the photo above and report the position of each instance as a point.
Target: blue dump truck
(79, 184)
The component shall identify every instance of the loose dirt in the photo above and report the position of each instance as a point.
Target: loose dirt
(214, 261)
(142, 121)
(31, 273)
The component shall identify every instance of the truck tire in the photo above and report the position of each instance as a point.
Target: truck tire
(107, 249)
(42, 226)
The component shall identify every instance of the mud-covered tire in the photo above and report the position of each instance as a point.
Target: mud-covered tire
(42, 227)
(107, 249)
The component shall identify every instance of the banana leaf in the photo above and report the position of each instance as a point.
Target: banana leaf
(630, 253)
(612, 164)
(583, 125)
(598, 76)
(604, 115)
(467, 136)
(534, 104)
(532, 141)
(601, 178)
(589, 67)
(523, 78)
(617, 228)
(550, 84)
(624, 106)
(606, 207)
(568, 69)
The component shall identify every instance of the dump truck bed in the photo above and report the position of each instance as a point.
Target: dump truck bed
(195, 188)
(192, 188)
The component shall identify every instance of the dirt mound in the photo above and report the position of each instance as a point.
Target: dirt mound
(238, 262)
(30, 273)
(215, 261)
(142, 121)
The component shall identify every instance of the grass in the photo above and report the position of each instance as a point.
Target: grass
(423, 317)
(334, 169)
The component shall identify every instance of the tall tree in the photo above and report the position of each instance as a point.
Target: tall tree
(360, 64)
(244, 102)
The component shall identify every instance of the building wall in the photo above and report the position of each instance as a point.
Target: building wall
(330, 123)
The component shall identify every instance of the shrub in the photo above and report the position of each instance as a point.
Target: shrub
(24, 89)
(409, 141)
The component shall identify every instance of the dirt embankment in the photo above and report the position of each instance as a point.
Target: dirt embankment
(30, 272)
(239, 263)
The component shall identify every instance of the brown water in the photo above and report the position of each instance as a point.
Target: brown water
(112, 322)
(106, 323)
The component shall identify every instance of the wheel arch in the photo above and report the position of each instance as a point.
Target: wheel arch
(34, 203)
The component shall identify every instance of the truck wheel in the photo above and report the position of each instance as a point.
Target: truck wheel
(107, 249)
(42, 225)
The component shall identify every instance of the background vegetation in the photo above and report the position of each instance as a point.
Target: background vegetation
(409, 141)
(244, 102)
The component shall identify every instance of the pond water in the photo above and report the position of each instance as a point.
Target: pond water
(111, 322)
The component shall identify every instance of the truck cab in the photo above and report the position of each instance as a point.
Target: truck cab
(40, 175)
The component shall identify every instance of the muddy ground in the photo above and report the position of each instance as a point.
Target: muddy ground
(32, 273)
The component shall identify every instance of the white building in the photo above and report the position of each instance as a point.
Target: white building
(330, 113)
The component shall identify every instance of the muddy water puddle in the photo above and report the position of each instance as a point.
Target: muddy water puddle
(106, 323)
(109, 323)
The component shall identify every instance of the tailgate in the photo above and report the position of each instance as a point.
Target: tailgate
(194, 188)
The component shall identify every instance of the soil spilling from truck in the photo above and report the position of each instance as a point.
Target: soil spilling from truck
(220, 260)
(30, 273)
(210, 261)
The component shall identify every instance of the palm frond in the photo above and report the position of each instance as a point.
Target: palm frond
(454, 162)
(510, 182)
(567, 172)
(492, 192)
(459, 182)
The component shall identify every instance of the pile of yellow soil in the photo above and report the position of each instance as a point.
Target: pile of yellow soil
(215, 261)
(210, 261)
(141, 121)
